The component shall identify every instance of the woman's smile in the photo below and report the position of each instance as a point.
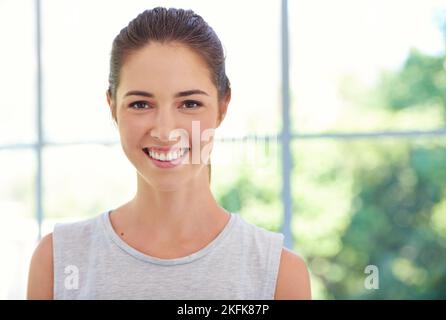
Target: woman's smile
(167, 158)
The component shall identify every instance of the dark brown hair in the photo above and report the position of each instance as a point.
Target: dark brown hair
(169, 25)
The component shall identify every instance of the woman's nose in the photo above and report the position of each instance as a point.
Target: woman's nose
(164, 124)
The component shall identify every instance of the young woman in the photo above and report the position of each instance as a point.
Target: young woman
(172, 240)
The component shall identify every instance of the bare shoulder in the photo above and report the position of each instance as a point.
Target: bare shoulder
(293, 280)
(40, 277)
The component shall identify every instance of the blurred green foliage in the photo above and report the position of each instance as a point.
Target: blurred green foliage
(393, 224)
(421, 81)
(398, 207)
(375, 202)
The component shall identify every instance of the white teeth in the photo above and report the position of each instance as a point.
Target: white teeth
(173, 155)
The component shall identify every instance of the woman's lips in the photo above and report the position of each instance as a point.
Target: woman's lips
(165, 149)
(166, 163)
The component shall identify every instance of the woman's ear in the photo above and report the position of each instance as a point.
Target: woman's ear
(112, 106)
(109, 100)
(224, 107)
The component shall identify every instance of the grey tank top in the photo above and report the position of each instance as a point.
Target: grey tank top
(91, 261)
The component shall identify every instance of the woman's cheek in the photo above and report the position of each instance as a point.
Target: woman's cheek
(207, 138)
(129, 141)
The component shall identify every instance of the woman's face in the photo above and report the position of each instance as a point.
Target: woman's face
(167, 109)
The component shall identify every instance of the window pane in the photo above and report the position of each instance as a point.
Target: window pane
(252, 47)
(76, 52)
(18, 225)
(376, 203)
(367, 65)
(246, 179)
(17, 76)
(83, 181)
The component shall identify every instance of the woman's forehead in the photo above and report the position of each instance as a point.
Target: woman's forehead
(162, 58)
(165, 65)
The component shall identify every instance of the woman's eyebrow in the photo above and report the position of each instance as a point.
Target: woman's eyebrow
(189, 92)
(177, 95)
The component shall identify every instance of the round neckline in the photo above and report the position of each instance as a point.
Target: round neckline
(110, 231)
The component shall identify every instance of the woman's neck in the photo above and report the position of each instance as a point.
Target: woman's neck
(178, 214)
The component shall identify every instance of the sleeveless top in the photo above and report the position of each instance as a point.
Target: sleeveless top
(91, 261)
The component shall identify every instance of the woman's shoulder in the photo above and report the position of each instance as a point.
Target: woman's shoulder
(40, 276)
(65, 235)
(257, 231)
(293, 280)
(80, 224)
(78, 231)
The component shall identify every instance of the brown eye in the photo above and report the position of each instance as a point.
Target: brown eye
(190, 104)
(137, 104)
